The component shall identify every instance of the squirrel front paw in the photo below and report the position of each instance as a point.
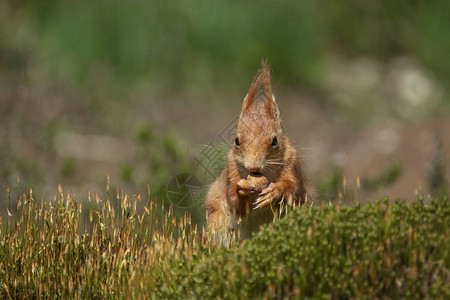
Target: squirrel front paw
(268, 195)
(245, 188)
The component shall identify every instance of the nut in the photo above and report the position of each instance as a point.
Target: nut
(259, 181)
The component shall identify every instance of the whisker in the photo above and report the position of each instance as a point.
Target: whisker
(271, 171)
(274, 163)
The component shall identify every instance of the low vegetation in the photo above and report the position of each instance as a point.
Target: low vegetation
(126, 248)
(372, 251)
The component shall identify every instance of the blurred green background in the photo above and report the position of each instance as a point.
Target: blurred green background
(137, 89)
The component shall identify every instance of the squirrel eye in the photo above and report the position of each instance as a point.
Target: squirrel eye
(274, 141)
(236, 141)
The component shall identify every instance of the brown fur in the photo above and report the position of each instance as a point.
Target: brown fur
(227, 200)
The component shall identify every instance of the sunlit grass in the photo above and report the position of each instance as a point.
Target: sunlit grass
(50, 250)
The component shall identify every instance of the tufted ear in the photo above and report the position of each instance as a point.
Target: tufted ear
(271, 107)
(261, 80)
(251, 92)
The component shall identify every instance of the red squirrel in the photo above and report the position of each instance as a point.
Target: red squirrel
(262, 168)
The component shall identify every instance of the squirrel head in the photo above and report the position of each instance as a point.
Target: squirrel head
(260, 144)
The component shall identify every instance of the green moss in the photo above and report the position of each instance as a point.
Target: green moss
(372, 251)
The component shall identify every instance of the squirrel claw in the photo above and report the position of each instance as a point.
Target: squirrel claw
(263, 202)
(266, 196)
(267, 190)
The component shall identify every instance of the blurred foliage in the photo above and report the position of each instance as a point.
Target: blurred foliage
(68, 167)
(181, 44)
(126, 172)
(436, 178)
(385, 178)
(328, 188)
(105, 56)
(162, 159)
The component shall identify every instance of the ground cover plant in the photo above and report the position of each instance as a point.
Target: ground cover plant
(128, 248)
(372, 251)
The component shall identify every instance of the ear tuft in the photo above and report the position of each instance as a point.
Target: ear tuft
(265, 74)
(261, 78)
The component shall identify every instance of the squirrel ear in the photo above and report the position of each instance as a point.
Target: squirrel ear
(252, 91)
(271, 106)
(262, 77)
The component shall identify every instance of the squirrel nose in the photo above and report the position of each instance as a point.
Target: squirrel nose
(254, 169)
(252, 164)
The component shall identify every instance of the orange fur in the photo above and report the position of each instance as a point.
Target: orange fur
(229, 198)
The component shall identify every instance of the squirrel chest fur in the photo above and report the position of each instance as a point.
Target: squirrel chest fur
(262, 167)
